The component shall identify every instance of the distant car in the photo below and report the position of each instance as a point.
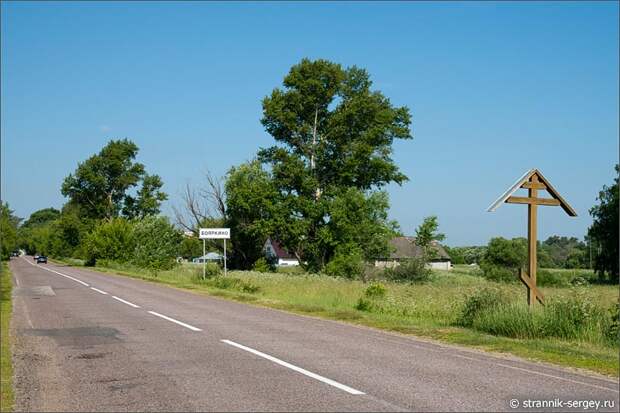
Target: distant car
(41, 259)
(15, 254)
(36, 257)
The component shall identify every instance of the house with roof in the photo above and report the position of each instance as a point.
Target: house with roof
(273, 250)
(404, 248)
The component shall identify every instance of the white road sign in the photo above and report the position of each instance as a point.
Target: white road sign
(214, 233)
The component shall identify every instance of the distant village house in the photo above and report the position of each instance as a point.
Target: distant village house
(404, 248)
(274, 251)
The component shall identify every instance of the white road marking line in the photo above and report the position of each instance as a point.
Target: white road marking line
(295, 368)
(126, 302)
(558, 377)
(59, 273)
(99, 291)
(175, 321)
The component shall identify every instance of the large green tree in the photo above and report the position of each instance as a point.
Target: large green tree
(252, 203)
(604, 231)
(42, 216)
(333, 133)
(101, 185)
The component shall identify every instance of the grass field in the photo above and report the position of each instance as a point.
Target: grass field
(6, 368)
(427, 310)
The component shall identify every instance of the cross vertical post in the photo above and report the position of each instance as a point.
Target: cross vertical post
(532, 215)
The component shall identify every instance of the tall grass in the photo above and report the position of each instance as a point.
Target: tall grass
(6, 366)
(572, 317)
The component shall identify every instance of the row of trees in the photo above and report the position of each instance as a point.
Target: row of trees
(554, 252)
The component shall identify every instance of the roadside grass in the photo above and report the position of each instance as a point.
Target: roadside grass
(6, 367)
(427, 310)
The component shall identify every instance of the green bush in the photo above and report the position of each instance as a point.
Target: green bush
(613, 329)
(507, 253)
(370, 299)
(375, 290)
(262, 265)
(232, 283)
(364, 304)
(498, 273)
(211, 270)
(480, 301)
(157, 243)
(553, 278)
(112, 240)
(348, 262)
(413, 270)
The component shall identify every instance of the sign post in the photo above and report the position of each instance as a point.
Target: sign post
(213, 233)
(532, 180)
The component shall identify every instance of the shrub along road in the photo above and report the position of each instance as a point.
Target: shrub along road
(93, 342)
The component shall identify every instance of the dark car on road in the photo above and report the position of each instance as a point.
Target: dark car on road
(41, 259)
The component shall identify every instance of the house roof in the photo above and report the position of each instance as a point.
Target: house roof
(405, 247)
(525, 178)
(279, 250)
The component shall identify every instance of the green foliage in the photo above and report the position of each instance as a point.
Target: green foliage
(251, 202)
(467, 255)
(335, 136)
(502, 252)
(8, 231)
(40, 217)
(375, 290)
(562, 252)
(361, 220)
(148, 200)
(364, 304)
(613, 328)
(112, 239)
(498, 273)
(413, 270)
(233, 283)
(6, 338)
(348, 262)
(604, 231)
(426, 235)
(100, 185)
(190, 247)
(570, 317)
(211, 270)
(482, 300)
(262, 265)
(156, 243)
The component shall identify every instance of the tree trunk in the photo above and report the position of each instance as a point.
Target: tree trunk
(317, 193)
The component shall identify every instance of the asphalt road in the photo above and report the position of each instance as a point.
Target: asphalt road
(87, 341)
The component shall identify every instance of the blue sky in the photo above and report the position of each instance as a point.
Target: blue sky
(494, 89)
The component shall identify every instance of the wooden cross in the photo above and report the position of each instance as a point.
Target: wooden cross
(533, 181)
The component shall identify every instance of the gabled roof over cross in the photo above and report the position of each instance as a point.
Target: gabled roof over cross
(533, 179)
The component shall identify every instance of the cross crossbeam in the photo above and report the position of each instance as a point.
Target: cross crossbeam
(532, 201)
